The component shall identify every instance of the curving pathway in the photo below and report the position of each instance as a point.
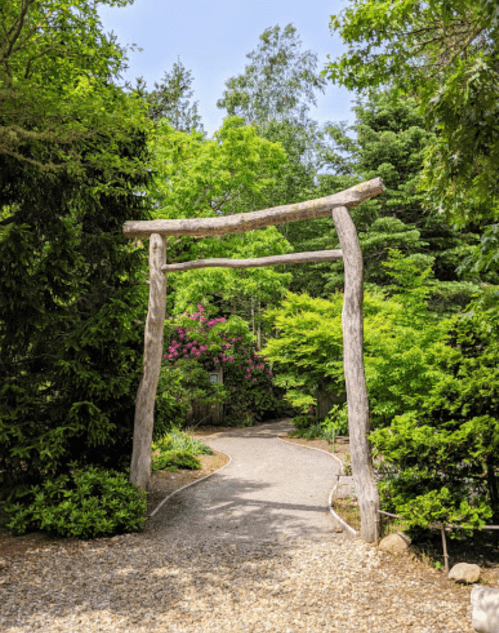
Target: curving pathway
(270, 489)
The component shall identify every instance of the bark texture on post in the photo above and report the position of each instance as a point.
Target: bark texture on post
(241, 222)
(140, 468)
(355, 380)
(275, 260)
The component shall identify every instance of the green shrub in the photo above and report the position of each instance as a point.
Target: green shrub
(402, 339)
(441, 457)
(84, 504)
(172, 400)
(178, 450)
(175, 458)
(185, 442)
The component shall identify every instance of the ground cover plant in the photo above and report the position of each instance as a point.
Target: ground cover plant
(85, 503)
(177, 450)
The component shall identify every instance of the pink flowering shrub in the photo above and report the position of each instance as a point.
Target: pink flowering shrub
(197, 344)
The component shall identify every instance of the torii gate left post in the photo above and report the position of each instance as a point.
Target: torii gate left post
(157, 230)
(140, 468)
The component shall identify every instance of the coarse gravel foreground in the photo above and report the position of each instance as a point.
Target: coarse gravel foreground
(278, 571)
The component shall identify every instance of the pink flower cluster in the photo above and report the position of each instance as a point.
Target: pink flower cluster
(223, 350)
(181, 346)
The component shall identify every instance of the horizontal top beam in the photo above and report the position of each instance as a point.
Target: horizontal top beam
(241, 222)
(273, 260)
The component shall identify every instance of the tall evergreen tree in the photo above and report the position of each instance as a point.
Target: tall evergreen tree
(71, 307)
(171, 99)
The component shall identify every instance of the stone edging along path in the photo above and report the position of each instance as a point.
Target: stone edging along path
(347, 528)
(192, 483)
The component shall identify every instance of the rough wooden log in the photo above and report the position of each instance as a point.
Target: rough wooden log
(355, 380)
(140, 468)
(276, 260)
(241, 222)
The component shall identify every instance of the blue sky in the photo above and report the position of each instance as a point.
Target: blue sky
(212, 38)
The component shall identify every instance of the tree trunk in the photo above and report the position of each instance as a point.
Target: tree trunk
(259, 330)
(140, 468)
(253, 315)
(355, 380)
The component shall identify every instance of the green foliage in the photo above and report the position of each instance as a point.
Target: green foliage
(390, 141)
(278, 84)
(335, 423)
(172, 399)
(82, 504)
(446, 54)
(198, 177)
(308, 351)
(180, 441)
(177, 450)
(274, 94)
(60, 109)
(441, 456)
(71, 307)
(175, 458)
(401, 340)
(231, 290)
(170, 99)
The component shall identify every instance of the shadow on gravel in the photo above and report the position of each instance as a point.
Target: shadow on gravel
(231, 510)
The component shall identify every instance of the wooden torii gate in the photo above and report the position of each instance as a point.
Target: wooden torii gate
(352, 323)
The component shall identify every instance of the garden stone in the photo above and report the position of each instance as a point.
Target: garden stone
(485, 615)
(3, 563)
(464, 572)
(395, 543)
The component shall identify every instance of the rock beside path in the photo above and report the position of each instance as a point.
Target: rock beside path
(485, 603)
(395, 543)
(464, 572)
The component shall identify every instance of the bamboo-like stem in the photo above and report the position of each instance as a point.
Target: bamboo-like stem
(275, 260)
(444, 546)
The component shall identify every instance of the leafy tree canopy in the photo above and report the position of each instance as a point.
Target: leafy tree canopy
(278, 84)
(445, 53)
(57, 95)
(199, 177)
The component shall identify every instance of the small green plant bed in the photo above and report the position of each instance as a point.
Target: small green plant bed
(308, 428)
(177, 450)
(175, 459)
(83, 504)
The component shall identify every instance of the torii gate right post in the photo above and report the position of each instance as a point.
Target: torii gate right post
(352, 321)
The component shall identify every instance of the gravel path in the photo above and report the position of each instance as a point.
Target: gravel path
(270, 489)
(248, 551)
